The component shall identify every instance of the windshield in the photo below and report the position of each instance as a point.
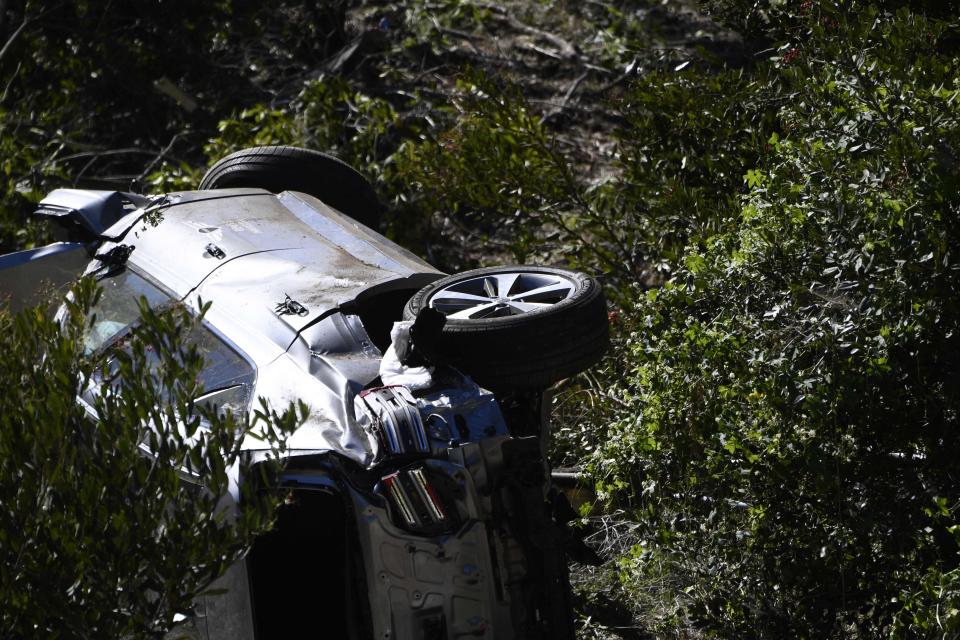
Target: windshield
(118, 308)
(226, 375)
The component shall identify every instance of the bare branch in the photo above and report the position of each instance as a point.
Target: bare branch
(160, 156)
(16, 34)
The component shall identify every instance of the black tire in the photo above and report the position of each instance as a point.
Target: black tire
(528, 351)
(280, 168)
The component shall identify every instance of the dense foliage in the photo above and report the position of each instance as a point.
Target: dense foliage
(96, 538)
(772, 439)
(791, 432)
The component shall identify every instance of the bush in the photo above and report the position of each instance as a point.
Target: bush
(791, 435)
(326, 114)
(96, 538)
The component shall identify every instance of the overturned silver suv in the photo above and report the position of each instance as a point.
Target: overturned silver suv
(421, 503)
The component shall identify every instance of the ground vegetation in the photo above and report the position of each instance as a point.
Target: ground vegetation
(98, 540)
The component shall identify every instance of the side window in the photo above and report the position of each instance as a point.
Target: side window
(227, 376)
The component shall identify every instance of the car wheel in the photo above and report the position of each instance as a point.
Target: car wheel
(516, 328)
(281, 168)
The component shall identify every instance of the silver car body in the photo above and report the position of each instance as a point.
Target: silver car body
(287, 277)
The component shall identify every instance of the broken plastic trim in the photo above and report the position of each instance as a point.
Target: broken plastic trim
(396, 420)
(218, 253)
(288, 307)
(90, 212)
(112, 261)
(116, 256)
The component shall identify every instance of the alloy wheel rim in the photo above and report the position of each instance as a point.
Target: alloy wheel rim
(500, 295)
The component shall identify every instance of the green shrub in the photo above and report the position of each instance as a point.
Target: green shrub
(493, 166)
(328, 114)
(680, 154)
(96, 538)
(791, 436)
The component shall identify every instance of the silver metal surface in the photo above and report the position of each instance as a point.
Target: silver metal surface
(413, 578)
(502, 294)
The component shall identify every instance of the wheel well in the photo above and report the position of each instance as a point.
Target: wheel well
(378, 312)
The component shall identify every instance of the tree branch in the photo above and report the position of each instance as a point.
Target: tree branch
(16, 34)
